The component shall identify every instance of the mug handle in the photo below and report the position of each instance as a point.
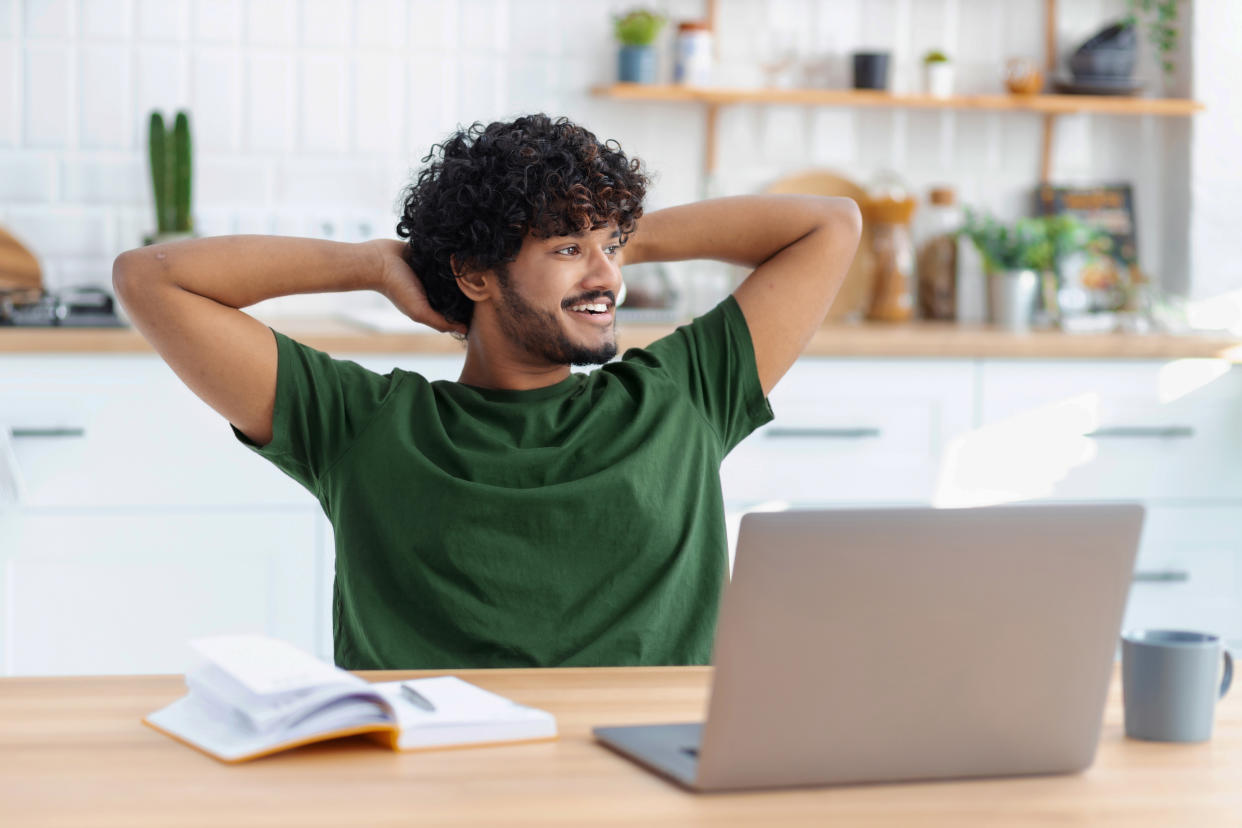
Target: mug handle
(1228, 679)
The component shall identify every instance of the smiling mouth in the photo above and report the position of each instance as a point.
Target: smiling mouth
(598, 312)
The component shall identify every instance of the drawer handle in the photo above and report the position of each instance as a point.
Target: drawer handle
(830, 433)
(1162, 576)
(1144, 431)
(48, 432)
(12, 486)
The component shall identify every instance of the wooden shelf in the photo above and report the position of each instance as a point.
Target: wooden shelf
(1046, 104)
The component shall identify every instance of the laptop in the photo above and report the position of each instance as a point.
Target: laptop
(894, 644)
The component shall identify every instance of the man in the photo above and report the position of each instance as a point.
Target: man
(523, 515)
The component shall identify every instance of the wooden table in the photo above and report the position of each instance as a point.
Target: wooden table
(73, 753)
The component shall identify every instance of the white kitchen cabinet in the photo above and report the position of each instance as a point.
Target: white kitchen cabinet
(853, 431)
(1189, 571)
(1162, 432)
(1077, 430)
(122, 591)
(117, 431)
(131, 519)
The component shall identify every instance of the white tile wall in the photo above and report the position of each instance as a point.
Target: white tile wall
(105, 20)
(1214, 167)
(309, 116)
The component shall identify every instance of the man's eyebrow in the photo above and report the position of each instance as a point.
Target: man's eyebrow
(582, 234)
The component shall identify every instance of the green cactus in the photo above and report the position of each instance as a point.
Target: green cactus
(159, 170)
(171, 173)
(181, 173)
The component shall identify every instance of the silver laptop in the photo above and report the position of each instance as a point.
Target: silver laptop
(887, 644)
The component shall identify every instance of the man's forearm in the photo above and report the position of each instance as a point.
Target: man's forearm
(243, 270)
(742, 230)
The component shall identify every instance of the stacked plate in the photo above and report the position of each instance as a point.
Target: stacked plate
(1104, 64)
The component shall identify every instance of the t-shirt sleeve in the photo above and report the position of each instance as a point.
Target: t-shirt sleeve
(322, 406)
(713, 359)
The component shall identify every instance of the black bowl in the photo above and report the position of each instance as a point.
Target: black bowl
(1116, 36)
(1103, 63)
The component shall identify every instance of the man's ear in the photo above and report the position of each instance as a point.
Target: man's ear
(474, 283)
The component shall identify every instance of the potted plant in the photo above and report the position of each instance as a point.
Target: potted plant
(1024, 257)
(938, 74)
(637, 31)
(171, 178)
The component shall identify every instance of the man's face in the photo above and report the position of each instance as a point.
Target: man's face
(551, 277)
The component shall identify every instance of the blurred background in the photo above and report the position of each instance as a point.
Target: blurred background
(308, 116)
(1044, 306)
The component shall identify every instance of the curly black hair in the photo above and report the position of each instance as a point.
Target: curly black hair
(491, 186)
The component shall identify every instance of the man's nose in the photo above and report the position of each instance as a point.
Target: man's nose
(603, 272)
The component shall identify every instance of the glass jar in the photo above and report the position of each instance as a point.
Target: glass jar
(694, 53)
(889, 209)
(937, 262)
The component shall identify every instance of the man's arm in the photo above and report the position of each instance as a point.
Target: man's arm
(800, 247)
(184, 297)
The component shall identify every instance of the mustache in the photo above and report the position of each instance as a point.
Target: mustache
(588, 298)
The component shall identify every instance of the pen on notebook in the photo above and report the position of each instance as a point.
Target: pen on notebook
(417, 698)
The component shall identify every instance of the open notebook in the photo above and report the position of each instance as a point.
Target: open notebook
(252, 696)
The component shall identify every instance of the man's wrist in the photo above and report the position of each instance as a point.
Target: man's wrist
(374, 276)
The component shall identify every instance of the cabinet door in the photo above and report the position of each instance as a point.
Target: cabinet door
(1105, 430)
(1189, 571)
(853, 431)
(123, 592)
(122, 431)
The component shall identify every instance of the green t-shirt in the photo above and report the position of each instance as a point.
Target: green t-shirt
(580, 524)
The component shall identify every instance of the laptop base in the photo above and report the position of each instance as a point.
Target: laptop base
(670, 750)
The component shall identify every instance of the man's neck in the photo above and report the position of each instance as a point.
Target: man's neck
(492, 367)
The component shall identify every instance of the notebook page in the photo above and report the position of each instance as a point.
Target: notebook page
(457, 702)
(267, 665)
(464, 715)
(266, 713)
(201, 725)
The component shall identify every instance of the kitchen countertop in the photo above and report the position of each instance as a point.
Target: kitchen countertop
(915, 339)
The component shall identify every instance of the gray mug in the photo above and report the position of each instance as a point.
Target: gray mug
(1168, 683)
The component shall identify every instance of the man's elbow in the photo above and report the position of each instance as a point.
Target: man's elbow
(844, 217)
(134, 276)
(841, 228)
(125, 269)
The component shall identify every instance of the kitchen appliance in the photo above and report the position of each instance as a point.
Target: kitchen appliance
(86, 306)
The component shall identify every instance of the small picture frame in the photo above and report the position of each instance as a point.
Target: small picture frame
(1096, 283)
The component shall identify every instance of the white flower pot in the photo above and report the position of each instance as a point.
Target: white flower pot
(1012, 296)
(938, 79)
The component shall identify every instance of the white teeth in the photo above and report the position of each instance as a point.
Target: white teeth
(598, 308)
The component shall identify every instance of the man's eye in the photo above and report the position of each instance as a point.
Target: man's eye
(612, 248)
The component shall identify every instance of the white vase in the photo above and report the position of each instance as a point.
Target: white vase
(1012, 296)
(938, 79)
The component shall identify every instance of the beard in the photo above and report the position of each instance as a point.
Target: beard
(542, 333)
